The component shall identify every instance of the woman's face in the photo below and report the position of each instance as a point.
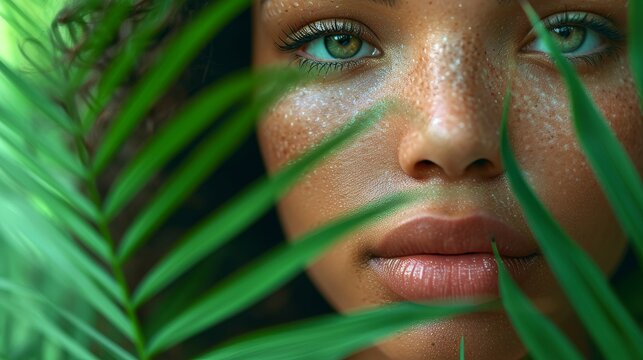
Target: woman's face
(448, 64)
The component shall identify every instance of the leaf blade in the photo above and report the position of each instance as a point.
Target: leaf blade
(610, 162)
(37, 99)
(583, 283)
(202, 161)
(635, 44)
(175, 136)
(540, 336)
(114, 348)
(462, 348)
(265, 274)
(333, 337)
(183, 48)
(222, 225)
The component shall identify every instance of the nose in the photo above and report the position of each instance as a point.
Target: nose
(450, 148)
(456, 133)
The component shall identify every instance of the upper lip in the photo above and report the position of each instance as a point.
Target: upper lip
(427, 234)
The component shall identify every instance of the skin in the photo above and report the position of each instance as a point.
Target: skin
(448, 64)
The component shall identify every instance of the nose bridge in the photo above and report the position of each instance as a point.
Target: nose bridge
(456, 69)
(458, 118)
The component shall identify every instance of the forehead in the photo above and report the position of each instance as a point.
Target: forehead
(389, 3)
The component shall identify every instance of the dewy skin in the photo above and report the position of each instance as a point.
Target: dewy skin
(447, 64)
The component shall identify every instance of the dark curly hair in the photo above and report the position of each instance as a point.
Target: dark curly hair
(71, 29)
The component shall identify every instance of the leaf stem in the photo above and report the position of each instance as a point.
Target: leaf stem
(103, 227)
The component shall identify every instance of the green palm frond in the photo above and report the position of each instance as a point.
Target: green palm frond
(58, 218)
(608, 322)
(62, 266)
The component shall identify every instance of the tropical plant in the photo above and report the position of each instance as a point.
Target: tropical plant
(62, 263)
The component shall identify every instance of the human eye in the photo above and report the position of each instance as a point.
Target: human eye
(580, 36)
(330, 45)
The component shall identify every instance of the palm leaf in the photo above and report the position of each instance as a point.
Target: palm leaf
(37, 99)
(334, 336)
(233, 218)
(182, 49)
(462, 348)
(202, 161)
(49, 329)
(540, 336)
(610, 162)
(176, 135)
(118, 70)
(14, 122)
(24, 224)
(26, 294)
(635, 44)
(264, 275)
(99, 40)
(79, 216)
(598, 308)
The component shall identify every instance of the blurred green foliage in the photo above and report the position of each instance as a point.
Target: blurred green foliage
(62, 264)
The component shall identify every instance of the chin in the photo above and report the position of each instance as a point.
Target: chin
(350, 284)
(486, 336)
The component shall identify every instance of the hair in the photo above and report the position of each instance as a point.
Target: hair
(80, 19)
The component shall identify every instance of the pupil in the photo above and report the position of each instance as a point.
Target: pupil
(342, 46)
(564, 32)
(570, 38)
(343, 40)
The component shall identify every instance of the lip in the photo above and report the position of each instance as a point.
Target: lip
(429, 258)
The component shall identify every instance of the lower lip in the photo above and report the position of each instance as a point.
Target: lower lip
(437, 277)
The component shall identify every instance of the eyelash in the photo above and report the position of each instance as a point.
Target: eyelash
(592, 22)
(294, 39)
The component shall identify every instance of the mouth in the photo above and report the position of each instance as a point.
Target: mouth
(434, 258)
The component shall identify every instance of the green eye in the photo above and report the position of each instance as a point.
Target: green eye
(579, 35)
(331, 48)
(569, 38)
(342, 46)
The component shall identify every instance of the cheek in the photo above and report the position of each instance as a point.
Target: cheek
(545, 144)
(301, 120)
(307, 115)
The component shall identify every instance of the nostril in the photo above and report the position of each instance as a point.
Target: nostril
(480, 163)
(480, 166)
(421, 168)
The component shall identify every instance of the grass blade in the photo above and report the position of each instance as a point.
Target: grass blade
(53, 205)
(542, 338)
(36, 237)
(38, 100)
(40, 176)
(264, 275)
(202, 161)
(607, 321)
(195, 117)
(609, 160)
(462, 348)
(635, 43)
(50, 150)
(334, 336)
(117, 71)
(48, 329)
(79, 324)
(16, 16)
(236, 215)
(182, 49)
(99, 39)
